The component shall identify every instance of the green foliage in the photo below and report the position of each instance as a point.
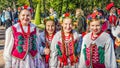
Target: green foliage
(37, 15)
(60, 6)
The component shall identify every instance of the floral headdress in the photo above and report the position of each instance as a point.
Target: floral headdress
(49, 18)
(95, 16)
(26, 7)
(65, 15)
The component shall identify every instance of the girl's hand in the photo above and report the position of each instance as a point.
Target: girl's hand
(47, 51)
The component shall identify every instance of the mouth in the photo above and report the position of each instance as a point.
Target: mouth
(95, 30)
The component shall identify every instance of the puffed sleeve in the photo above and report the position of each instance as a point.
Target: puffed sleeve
(9, 40)
(82, 59)
(41, 38)
(38, 38)
(53, 55)
(109, 52)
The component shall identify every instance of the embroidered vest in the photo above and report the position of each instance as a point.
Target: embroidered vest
(23, 46)
(94, 56)
(63, 58)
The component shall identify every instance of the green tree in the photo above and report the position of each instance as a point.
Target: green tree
(37, 15)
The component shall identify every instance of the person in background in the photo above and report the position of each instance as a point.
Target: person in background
(46, 38)
(97, 47)
(8, 18)
(54, 14)
(21, 43)
(116, 33)
(65, 46)
(112, 16)
(80, 21)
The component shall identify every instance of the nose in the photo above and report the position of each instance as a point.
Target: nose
(26, 16)
(95, 27)
(68, 26)
(50, 27)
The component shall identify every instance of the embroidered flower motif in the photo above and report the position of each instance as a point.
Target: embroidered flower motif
(20, 42)
(75, 48)
(34, 47)
(101, 54)
(59, 51)
(34, 36)
(20, 37)
(20, 49)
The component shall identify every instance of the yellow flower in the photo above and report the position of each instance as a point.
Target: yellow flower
(52, 17)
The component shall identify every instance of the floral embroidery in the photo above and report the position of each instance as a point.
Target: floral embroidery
(75, 48)
(20, 42)
(20, 49)
(101, 54)
(59, 51)
(20, 37)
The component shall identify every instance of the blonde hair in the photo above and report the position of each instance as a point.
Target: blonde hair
(80, 10)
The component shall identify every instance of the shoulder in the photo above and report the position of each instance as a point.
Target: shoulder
(58, 33)
(32, 25)
(8, 30)
(16, 25)
(42, 34)
(76, 35)
(105, 35)
(87, 36)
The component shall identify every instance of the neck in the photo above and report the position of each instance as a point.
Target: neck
(50, 34)
(66, 34)
(24, 24)
(96, 34)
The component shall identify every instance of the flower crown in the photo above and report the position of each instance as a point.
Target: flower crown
(65, 15)
(49, 18)
(27, 7)
(95, 15)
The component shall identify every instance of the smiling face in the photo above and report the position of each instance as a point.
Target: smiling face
(113, 10)
(50, 27)
(67, 25)
(25, 17)
(95, 26)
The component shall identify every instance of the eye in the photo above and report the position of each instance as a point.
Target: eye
(28, 15)
(92, 25)
(23, 15)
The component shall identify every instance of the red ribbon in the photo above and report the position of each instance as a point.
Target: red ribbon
(47, 58)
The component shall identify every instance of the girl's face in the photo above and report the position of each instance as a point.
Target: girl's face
(67, 25)
(25, 17)
(113, 10)
(95, 27)
(50, 27)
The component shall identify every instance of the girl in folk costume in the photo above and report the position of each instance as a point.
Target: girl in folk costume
(21, 43)
(112, 17)
(46, 38)
(97, 47)
(116, 34)
(65, 46)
